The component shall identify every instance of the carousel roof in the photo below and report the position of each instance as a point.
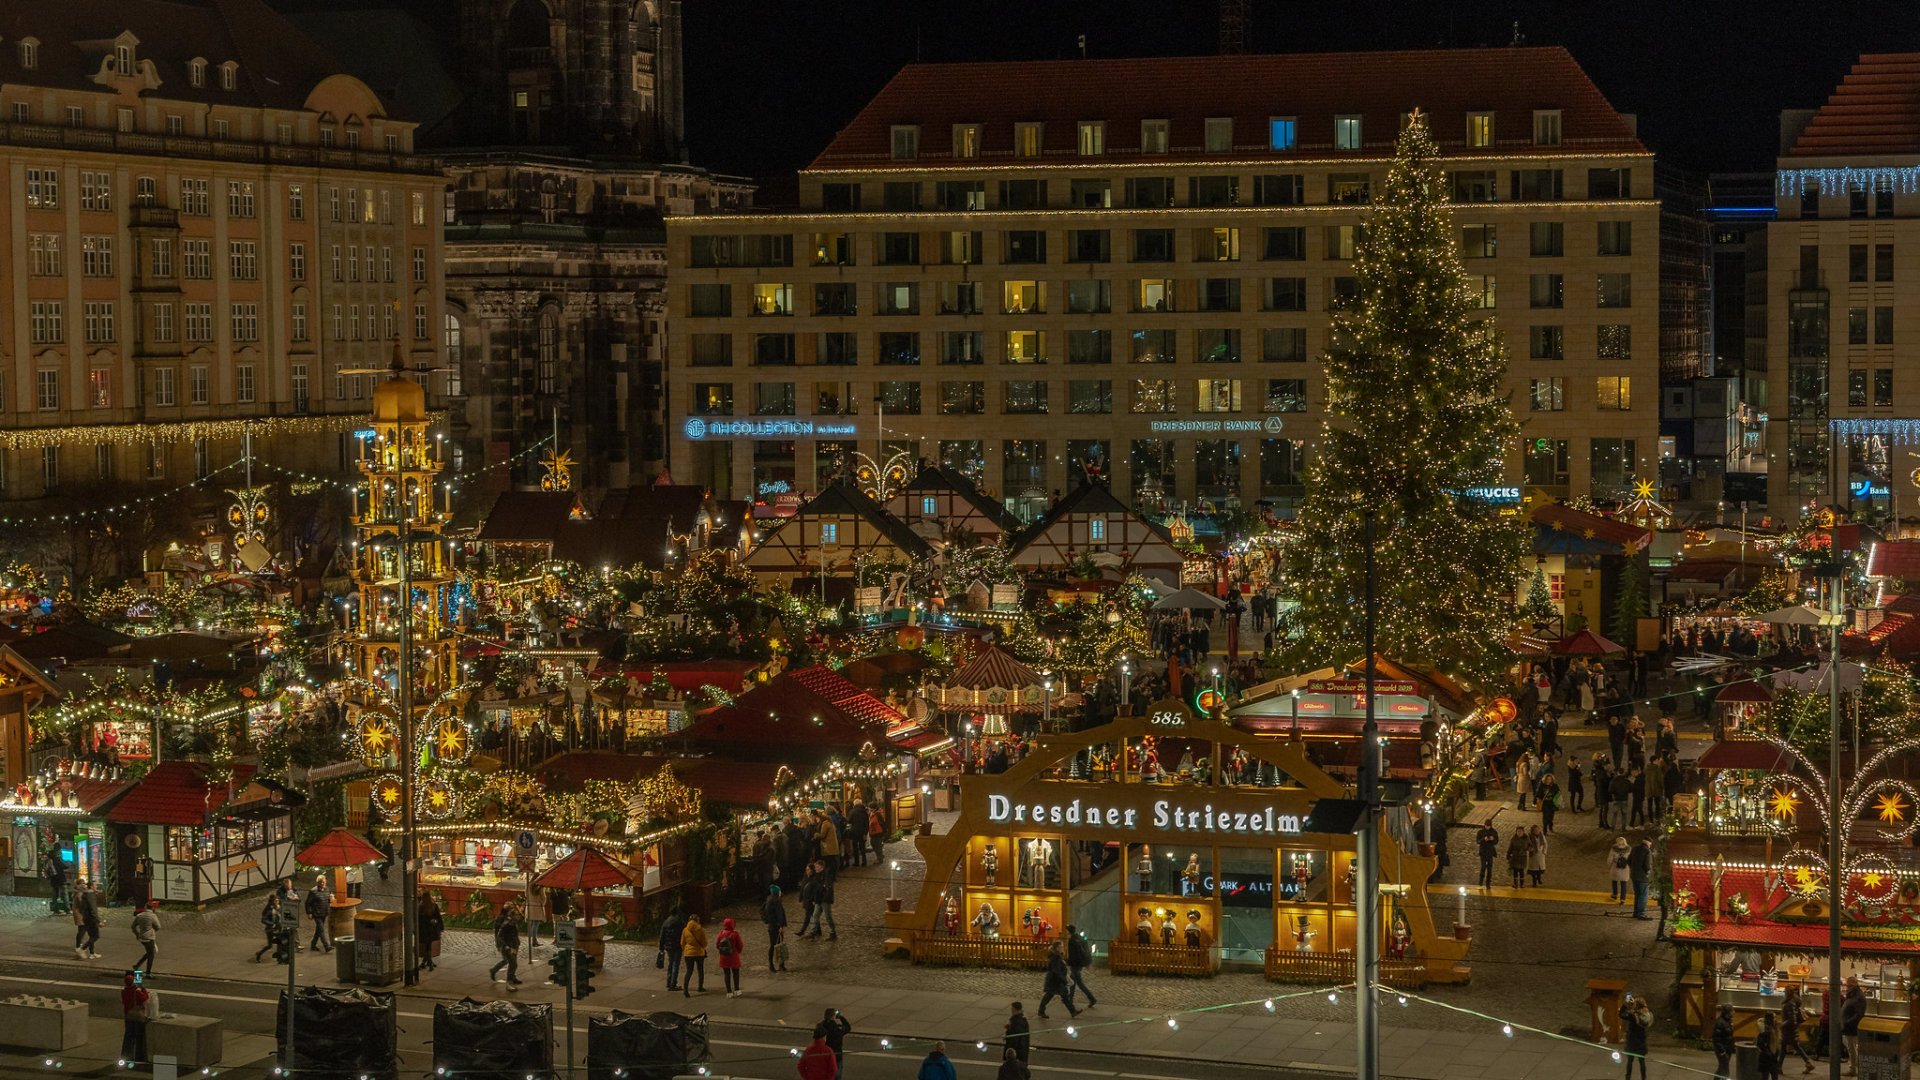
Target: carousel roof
(993, 668)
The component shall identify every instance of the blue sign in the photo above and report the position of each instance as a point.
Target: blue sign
(1501, 495)
(697, 428)
(1867, 489)
(364, 433)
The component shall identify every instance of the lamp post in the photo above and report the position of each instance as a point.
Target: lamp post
(1126, 686)
(893, 890)
(1296, 714)
(1046, 705)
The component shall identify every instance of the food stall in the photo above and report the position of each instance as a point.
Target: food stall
(61, 813)
(1245, 862)
(206, 837)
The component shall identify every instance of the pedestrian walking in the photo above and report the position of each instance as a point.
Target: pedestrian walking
(731, 947)
(1619, 797)
(57, 882)
(809, 898)
(1536, 855)
(1549, 802)
(1079, 959)
(506, 939)
(1517, 857)
(146, 930)
(1639, 870)
(834, 1027)
(1057, 984)
(133, 1016)
(669, 955)
(1576, 785)
(937, 1065)
(1793, 1013)
(817, 1061)
(877, 831)
(432, 926)
(1853, 1009)
(1723, 1044)
(693, 949)
(1619, 872)
(1523, 778)
(1017, 1038)
(1768, 1049)
(269, 925)
(823, 902)
(829, 835)
(1488, 841)
(857, 824)
(319, 905)
(773, 915)
(1636, 1018)
(86, 921)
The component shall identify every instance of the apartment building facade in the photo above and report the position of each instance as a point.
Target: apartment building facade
(204, 223)
(1034, 272)
(1843, 247)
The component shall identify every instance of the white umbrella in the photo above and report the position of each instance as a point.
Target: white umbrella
(1795, 615)
(1188, 600)
(1810, 680)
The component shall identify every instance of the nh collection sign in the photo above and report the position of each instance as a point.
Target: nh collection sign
(697, 428)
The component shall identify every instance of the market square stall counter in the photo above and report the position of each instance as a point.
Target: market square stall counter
(206, 837)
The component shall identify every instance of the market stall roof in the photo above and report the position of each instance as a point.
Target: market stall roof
(1897, 560)
(1562, 530)
(872, 671)
(1748, 754)
(1441, 689)
(1188, 599)
(1873, 930)
(339, 847)
(812, 708)
(179, 793)
(720, 780)
(830, 685)
(1586, 643)
(1744, 691)
(993, 668)
(1896, 635)
(90, 798)
(586, 868)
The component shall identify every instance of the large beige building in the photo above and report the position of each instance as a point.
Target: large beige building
(1027, 271)
(202, 223)
(1843, 425)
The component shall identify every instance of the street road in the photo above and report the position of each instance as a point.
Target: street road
(758, 1051)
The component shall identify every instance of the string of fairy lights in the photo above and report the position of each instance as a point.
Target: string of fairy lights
(317, 480)
(125, 506)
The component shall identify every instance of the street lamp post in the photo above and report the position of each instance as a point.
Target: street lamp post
(1126, 686)
(893, 888)
(1046, 705)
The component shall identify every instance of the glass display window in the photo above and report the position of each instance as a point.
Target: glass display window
(1348, 865)
(1041, 918)
(989, 913)
(990, 861)
(1195, 872)
(1303, 876)
(1039, 862)
(185, 843)
(1306, 932)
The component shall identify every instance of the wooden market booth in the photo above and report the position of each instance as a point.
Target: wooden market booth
(206, 838)
(1253, 868)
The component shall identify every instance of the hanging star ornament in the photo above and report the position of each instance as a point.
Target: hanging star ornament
(1643, 488)
(559, 470)
(1892, 808)
(1871, 879)
(1783, 802)
(450, 740)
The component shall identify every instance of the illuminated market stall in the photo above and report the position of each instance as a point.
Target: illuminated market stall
(206, 837)
(1243, 861)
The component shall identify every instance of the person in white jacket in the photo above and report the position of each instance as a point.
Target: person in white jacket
(1618, 876)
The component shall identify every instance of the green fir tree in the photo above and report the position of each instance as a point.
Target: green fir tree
(1416, 418)
(1540, 596)
(1630, 603)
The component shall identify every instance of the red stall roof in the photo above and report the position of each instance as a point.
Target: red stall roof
(178, 793)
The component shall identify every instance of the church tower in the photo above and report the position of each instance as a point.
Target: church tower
(594, 76)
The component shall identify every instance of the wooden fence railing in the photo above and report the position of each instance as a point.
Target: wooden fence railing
(1126, 957)
(967, 950)
(1286, 965)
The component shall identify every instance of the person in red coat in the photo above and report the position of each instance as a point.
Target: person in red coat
(817, 1061)
(730, 947)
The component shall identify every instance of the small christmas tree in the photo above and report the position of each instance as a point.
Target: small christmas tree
(1417, 418)
(1631, 602)
(1540, 597)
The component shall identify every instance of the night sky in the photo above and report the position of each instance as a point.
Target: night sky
(769, 82)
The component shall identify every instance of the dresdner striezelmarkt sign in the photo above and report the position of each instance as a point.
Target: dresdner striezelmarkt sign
(1226, 816)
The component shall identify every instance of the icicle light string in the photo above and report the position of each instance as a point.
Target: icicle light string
(128, 506)
(1509, 1027)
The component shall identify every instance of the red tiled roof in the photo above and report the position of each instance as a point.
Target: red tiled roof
(1749, 754)
(1897, 634)
(1897, 559)
(1186, 90)
(177, 793)
(1874, 110)
(798, 709)
(857, 702)
(1757, 929)
(719, 780)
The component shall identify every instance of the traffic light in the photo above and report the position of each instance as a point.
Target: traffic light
(561, 966)
(582, 975)
(283, 946)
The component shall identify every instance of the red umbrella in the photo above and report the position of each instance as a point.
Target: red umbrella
(1585, 643)
(588, 868)
(339, 848)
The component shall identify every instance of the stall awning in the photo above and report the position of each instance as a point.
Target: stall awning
(177, 793)
(1787, 937)
(1750, 754)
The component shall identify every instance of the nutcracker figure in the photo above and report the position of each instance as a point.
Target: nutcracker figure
(1143, 930)
(990, 862)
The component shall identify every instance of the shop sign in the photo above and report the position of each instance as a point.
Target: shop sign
(774, 487)
(1359, 686)
(1498, 495)
(698, 427)
(1272, 425)
(1165, 815)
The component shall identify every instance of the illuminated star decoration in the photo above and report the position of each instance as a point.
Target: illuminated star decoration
(1805, 881)
(1643, 489)
(376, 739)
(388, 792)
(559, 470)
(1892, 808)
(1783, 802)
(1871, 879)
(450, 740)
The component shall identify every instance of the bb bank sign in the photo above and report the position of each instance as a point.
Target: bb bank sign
(1162, 815)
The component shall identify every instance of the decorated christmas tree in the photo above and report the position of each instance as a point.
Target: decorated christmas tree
(1416, 421)
(1540, 597)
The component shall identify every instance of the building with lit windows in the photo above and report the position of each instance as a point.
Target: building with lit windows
(1033, 272)
(205, 222)
(1845, 409)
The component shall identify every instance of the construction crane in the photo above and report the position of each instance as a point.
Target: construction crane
(1236, 17)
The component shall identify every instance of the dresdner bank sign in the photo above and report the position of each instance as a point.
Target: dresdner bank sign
(1166, 815)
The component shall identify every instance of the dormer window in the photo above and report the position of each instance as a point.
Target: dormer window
(29, 53)
(229, 75)
(197, 72)
(906, 142)
(1546, 127)
(123, 59)
(966, 140)
(1479, 129)
(1092, 138)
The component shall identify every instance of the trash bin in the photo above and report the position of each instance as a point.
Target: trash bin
(376, 945)
(343, 959)
(1882, 1039)
(1604, 998)
(1746, 1061)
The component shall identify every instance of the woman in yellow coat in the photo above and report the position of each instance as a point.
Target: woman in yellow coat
(693, 947)
(829, 843)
